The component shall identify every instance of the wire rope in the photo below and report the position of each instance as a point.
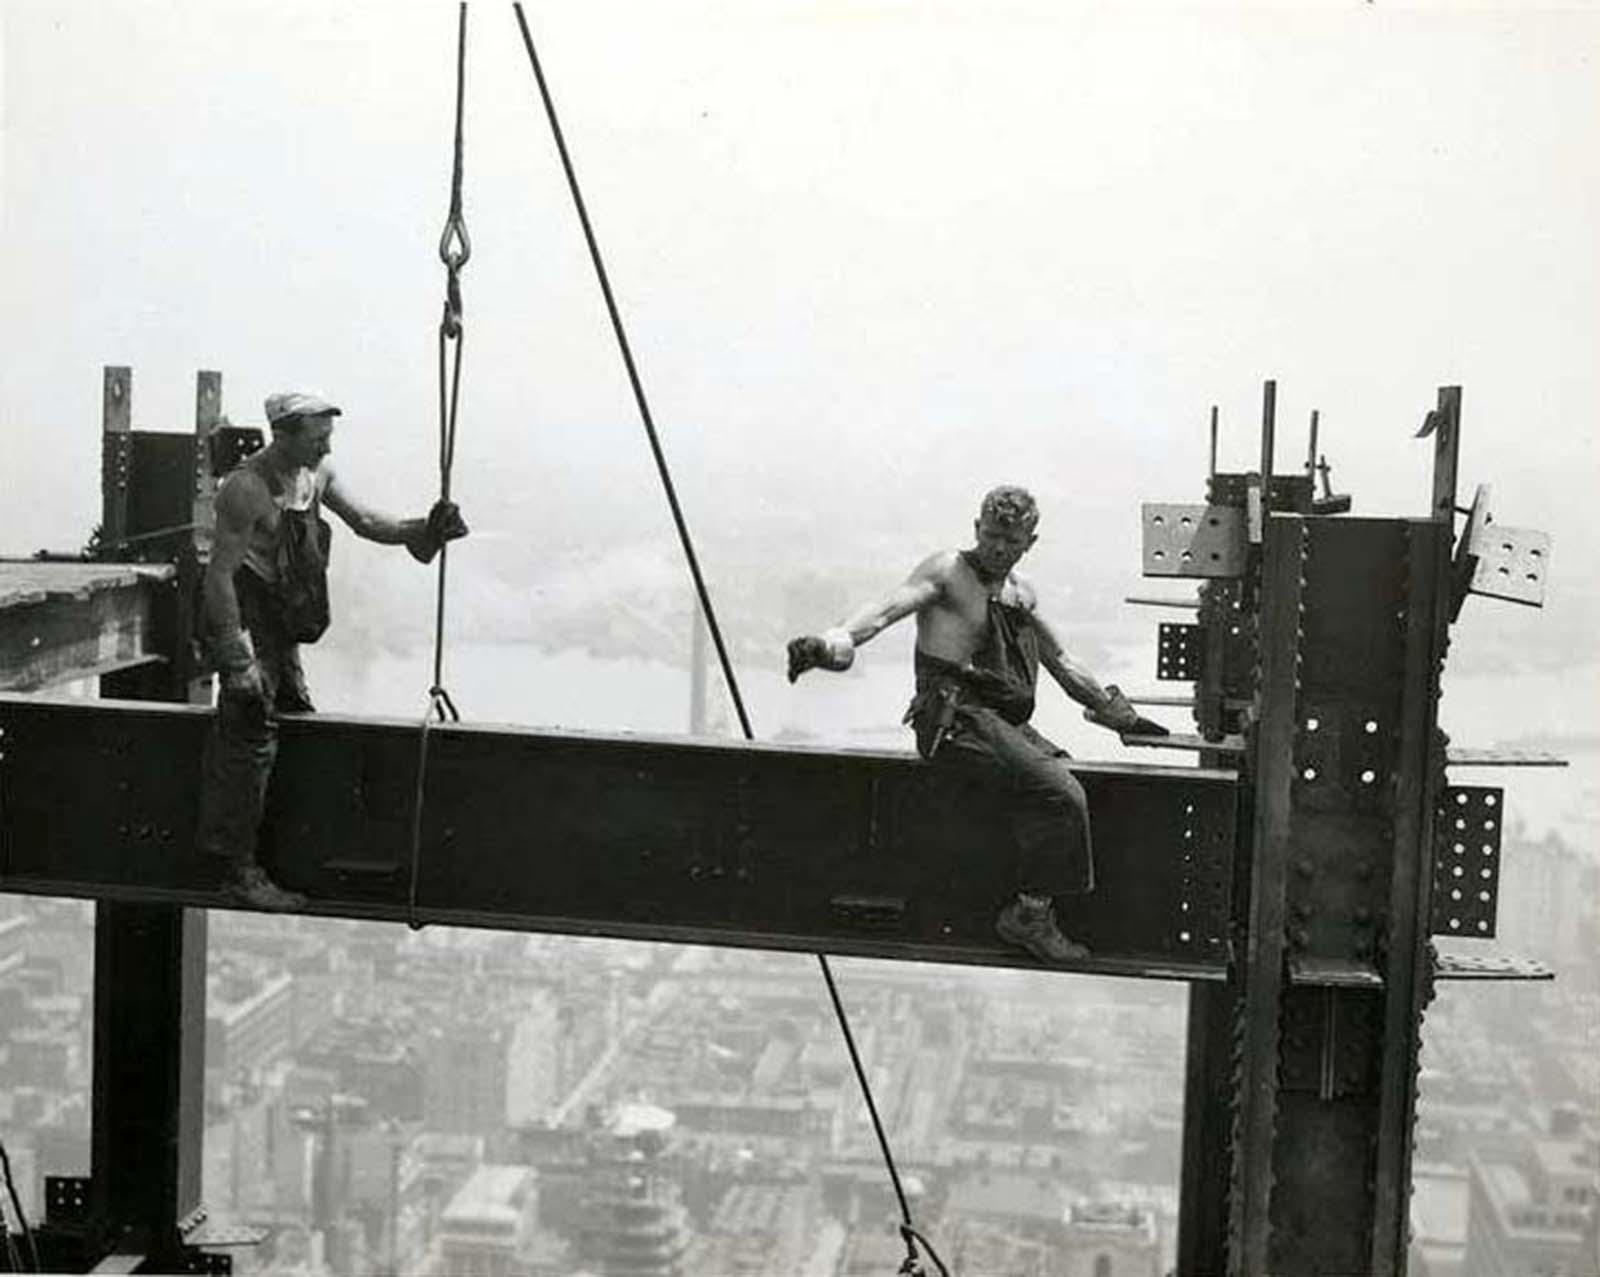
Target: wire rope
(911, 1266)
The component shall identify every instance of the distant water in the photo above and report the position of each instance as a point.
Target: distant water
(512, 683)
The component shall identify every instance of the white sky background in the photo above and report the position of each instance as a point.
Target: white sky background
(873, 258)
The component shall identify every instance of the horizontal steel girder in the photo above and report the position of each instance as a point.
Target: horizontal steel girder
(647, 838)
(66, 621)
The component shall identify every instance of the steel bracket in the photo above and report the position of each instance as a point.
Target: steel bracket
(66, 1200)
(1180, 652)
(1193, 540)
(1466, 860)
(1511, 564)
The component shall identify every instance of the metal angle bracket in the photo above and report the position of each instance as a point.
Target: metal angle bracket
(1180, 652)
(1193, 540)
(1511, 564)
(1466, 860)
(1461, 966)
(1496, 561)
(66, 1200)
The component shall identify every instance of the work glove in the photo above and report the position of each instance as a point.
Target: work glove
(443, 524)
(1120, 716)
(244, 684)
(831, 651)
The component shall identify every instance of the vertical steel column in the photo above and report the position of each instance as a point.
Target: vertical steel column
(1263, 959)
(150, 960)
(1408, 975)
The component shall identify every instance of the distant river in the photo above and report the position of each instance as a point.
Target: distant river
(513, 683)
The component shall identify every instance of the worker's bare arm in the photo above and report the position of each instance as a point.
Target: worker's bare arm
(363, 520)
(1103, 704)
(1071, 674)
(835, 649)
(919, 590)
(241, 504)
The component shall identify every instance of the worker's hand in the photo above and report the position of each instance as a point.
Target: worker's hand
(832, 651)
(1120, 716)
(243, 685)
(443, 524)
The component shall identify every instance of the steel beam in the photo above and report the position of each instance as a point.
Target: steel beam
(759, 845)
(68, 621)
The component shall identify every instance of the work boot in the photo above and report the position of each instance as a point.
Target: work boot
(251, 886)
(1031, 925)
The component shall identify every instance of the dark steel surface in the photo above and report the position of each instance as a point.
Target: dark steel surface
(616, 835)
(1263, 961)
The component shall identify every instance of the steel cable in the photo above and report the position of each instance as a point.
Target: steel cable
(911, 1266)
(455, 248)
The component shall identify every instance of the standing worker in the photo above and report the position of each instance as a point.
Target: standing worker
(265, 593)
(980, 642)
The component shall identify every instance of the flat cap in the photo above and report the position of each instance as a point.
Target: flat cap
(295, 403)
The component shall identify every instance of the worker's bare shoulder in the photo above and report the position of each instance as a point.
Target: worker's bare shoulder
(243, 498)
(937, 568)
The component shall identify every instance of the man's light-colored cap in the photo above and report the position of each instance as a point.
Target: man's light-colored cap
(297, 404)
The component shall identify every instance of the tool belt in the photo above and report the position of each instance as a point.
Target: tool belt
(932, 714)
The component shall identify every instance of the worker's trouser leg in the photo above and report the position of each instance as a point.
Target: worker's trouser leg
(242, 748)
(1048, 812)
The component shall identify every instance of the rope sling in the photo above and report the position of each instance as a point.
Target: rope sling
(455, 248)
(912, 1265)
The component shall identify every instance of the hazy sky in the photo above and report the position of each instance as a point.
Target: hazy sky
(874, 258)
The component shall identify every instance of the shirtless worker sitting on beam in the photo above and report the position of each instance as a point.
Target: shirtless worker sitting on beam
(980, 642)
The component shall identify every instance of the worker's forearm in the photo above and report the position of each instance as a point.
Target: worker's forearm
(230, 645)
(387, 530)
(1078, 683)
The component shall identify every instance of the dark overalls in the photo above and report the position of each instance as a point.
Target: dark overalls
(243, 744)
(976, 718)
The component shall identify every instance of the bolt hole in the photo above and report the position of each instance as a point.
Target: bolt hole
(1488, 800)
(1485, 874)
(1312, 724)
(1310, 773)
(1460, 849)
(1458, 872)
(1482, 925)
(1185, 936)
(1532, 576)
(1456, 894)
(1370, 726)
(1185, 522)
(1158, 519)
(1536, 554)
(1483, 896)
(1455, 924)
(1368, 776)
(1461, 824)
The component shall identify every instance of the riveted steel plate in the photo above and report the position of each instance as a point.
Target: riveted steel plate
(1180, 652)
(1512, 564)
(752, 845)
(1193, 540)
(1466, 860)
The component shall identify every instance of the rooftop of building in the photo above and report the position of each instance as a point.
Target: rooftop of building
(493, 1194)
